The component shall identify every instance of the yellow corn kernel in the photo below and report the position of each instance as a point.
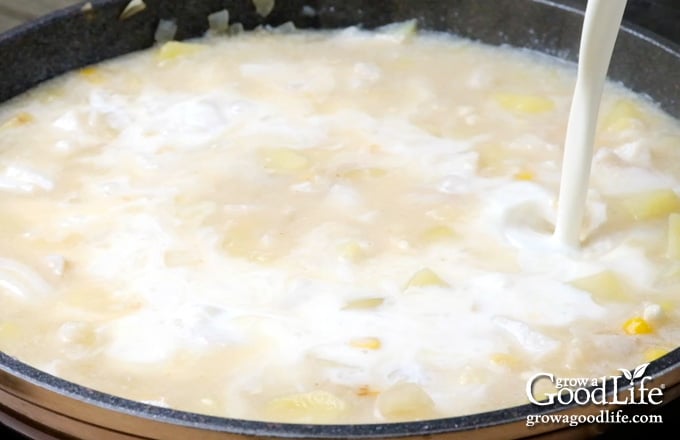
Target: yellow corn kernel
(652, 205)
(405, 401)
(314, 406)
(653, 354)
(284, 160)
(351, 251)
(624, 115)
(369, 343)
(637, 326)
(438, 233)
(364, 303)
(175, 49)
(424, 278)
(524, 175)
(18, 120)
(674, 236)
(604, 287)
(530, 104)
(505, 360)
(92, 75)
(362, 173)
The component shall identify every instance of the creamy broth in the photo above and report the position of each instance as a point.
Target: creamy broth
(331, 227)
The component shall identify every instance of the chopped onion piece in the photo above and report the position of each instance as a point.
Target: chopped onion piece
(165, 31)
(236, 28)
(286, 28)
(21, 280)
(263, 7)
(219, 21)
(401, 31)
(308, 11)
(132, 8)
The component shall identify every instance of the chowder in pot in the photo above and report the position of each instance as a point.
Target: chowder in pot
(330, 227)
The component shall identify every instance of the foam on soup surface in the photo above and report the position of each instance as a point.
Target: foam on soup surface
(330, 227)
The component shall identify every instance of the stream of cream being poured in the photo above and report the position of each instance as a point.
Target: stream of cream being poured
(600, 28)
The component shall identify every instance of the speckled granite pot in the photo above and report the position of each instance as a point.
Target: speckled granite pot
(45, 407)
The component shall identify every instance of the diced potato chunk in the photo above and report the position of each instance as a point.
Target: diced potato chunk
(264, 7)
(175, 49)
(425, 278)
(351, 251)
(655, 353)
(624, 115)
(285, 160)
(530, 104)
(369, 343)
(674, 236)
(652, 205)
(604, 287)
(637, 326)
(364, 304)
(405, 401)
(438, 233)
(314, 406)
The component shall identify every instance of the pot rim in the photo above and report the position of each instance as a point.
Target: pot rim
(657, 371)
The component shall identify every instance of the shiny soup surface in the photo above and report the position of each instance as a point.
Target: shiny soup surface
(330, 227)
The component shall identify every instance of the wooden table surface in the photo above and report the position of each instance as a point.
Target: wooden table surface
(15, 12)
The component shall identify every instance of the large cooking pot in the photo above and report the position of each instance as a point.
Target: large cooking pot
(46, 407)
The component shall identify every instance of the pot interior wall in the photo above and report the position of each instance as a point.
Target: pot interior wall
(74, 37)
